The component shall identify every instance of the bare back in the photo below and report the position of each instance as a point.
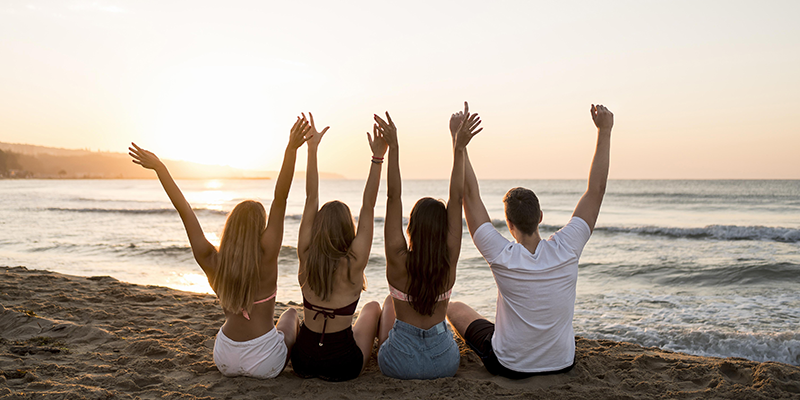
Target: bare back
(239, 328)
(345, 291)
(398, 277)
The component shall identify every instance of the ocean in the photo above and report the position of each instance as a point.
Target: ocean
(708, 268)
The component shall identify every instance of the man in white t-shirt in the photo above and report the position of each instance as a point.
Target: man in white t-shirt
(535, 278)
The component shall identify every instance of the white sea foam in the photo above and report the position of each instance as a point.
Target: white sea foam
(718, 232)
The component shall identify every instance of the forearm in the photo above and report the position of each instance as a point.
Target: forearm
(393, 224)
(201, 248)
(457, 177)
(366, 218)
(471, 188)
(173, 192)
(394, 183)
(285, 176)
(312, 178)
(598, 174)
(371, 187)
(474, 210)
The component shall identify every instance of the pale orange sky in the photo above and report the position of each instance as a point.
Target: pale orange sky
(699, 89)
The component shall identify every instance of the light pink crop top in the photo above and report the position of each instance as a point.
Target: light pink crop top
(244, 312)
(397, 294)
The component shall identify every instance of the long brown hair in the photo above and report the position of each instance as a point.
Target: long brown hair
(238, 274)
(333, 233)
(427, 262)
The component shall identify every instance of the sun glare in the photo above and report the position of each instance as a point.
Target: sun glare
(191, 282)
(214, 184)
(223, 115)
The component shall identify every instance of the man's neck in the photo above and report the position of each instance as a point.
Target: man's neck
(530, 242)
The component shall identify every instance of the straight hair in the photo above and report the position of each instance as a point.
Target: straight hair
(239, 272)
(333, 233)
(427, 262)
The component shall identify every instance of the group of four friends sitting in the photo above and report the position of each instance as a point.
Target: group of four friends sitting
(536, 279)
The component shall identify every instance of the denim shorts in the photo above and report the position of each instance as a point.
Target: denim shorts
(413, 353)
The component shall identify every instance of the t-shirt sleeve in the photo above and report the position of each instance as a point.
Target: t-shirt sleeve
(489, 241)
(574, 235)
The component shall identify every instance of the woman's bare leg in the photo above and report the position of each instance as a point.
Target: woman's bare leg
(289, 324)
(366, 328)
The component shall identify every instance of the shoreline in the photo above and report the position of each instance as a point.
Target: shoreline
(65, 336)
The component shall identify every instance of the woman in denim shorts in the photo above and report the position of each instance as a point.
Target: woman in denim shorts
(415, 341)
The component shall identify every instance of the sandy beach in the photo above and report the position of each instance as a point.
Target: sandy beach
(70, 337)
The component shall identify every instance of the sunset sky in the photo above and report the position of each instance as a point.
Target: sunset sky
(706, 89)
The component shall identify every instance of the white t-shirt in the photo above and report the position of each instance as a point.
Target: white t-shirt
(535, 296)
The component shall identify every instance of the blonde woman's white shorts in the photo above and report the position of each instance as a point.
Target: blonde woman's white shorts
(262, 357)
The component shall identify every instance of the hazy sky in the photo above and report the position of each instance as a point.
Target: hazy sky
(700, 89)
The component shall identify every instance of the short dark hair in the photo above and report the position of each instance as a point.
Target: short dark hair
(522, 209)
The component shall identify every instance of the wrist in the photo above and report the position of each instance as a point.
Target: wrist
(603, 131)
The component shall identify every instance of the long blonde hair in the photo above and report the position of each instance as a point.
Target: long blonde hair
(238, 272)
(333, 233)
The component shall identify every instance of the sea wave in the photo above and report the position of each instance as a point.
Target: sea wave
(718, 232)
(692, 275)
(731, 323)
(762, 347)
(133, 210)
(715, 232)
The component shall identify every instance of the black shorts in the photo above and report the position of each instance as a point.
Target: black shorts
(479, 338)
(338, 359)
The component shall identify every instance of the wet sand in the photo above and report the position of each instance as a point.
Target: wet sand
(71, 337)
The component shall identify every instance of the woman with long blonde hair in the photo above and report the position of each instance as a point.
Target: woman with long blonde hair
(414, 340)
(333, 256)
(243, 272)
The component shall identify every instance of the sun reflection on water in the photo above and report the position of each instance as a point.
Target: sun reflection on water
(191, 282)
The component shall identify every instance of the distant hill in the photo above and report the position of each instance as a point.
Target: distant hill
(25, 160)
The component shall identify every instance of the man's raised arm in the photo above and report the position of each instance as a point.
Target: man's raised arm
(474, 210)
(589, 205)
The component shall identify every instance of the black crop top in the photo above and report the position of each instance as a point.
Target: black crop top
(330, 313)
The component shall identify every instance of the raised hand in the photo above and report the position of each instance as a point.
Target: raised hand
(455, 120)
(313, 136)
(386, 130)
(299, 133)
(602, 117)
(376, 142)
(144, 158)
(467, 128)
